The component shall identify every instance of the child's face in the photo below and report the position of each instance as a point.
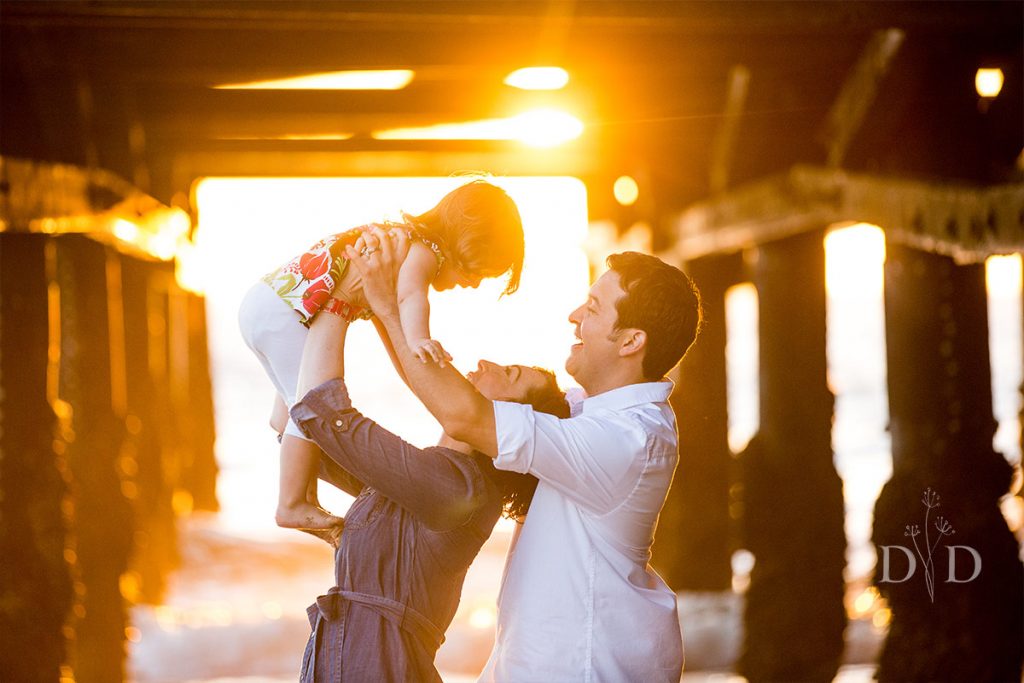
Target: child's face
(452, 276)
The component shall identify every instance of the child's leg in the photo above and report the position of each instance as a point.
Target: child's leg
(322, 357)
(279, 415)
(321, 360)
(299, 462)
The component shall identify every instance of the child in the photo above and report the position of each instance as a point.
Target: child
(474, 232)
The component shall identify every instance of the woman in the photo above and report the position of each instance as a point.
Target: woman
(420, 518)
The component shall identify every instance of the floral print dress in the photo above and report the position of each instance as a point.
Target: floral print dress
(306, 282)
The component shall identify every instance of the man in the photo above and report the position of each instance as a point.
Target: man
(420, 519)
(579, 601)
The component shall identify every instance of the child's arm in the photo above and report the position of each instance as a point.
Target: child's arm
(390, 348)
(414, 278)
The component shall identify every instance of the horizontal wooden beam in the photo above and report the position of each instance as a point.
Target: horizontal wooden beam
(963, 222)
(278, 163)
(64, 199)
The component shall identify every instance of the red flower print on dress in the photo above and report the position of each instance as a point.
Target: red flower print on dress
(315, 296)
(313, 266)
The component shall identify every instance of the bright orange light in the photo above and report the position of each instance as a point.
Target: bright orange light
(188, 270)
(126, 230)
(742, 362)
(854, 260)
(380, 79)
(547, 127)
(291, 136)
(865, 601)
(626, 190)
(249, 226)
(483, 617)
(1003, 274)
(988, 82)
(537, 128)
(130, 584)
(538, 78)
(182, 502)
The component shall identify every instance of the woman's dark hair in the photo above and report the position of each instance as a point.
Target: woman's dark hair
(517, 488)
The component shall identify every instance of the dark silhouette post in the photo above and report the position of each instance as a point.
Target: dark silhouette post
(35, 579)
(694, 542)
(948, 624)
(150, 423)
(199, 477)
(793, 499)
(103, 520)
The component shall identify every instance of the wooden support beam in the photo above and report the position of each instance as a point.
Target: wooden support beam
(695, 540)
(967, 223)
(792, 495)
(858, 93)
(944, 466)
(103, 519)
(725, 138)
(152, 437)
(35, 570)
(59, 199)
(199, 475)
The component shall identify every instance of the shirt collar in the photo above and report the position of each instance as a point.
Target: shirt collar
(629, 396)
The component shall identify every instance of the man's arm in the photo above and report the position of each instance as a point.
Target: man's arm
(442, 491)
(460, 409)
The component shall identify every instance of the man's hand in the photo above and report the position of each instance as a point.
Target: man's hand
(377, 256)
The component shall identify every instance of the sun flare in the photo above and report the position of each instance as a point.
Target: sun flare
(249, 226)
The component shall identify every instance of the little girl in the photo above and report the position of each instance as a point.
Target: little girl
(474, 232)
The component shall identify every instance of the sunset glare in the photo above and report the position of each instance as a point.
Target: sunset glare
(249, 226)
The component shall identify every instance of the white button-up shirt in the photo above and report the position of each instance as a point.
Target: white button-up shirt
(578, 601)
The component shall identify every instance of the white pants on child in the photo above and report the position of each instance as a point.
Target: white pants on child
(271, 328)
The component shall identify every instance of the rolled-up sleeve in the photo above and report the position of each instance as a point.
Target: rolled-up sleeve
(588, 459)
(443, 488)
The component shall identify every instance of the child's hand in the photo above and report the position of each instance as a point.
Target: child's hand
(429, 349)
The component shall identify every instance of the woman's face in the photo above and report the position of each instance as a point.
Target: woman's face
(506, 382)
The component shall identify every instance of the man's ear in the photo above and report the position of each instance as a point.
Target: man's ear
(632, 341)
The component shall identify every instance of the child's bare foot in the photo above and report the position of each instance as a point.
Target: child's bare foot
(304, 515)
(332, 535)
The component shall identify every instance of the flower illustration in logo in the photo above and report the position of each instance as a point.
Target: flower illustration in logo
(930, 500)
(313, 266)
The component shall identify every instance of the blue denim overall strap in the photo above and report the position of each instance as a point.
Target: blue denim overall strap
(327, 619)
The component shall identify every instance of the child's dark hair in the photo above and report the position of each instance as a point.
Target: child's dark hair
(518, 489)
(478, 226)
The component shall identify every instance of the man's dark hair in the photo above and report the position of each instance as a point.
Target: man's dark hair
(663, 302)
(518, 488)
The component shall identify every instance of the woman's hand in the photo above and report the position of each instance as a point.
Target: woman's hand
(378, 256)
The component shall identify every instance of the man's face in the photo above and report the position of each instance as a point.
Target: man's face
(506, 382)
(595, 328)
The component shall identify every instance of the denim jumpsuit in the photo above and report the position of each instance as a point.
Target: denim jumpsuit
(420, 518)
